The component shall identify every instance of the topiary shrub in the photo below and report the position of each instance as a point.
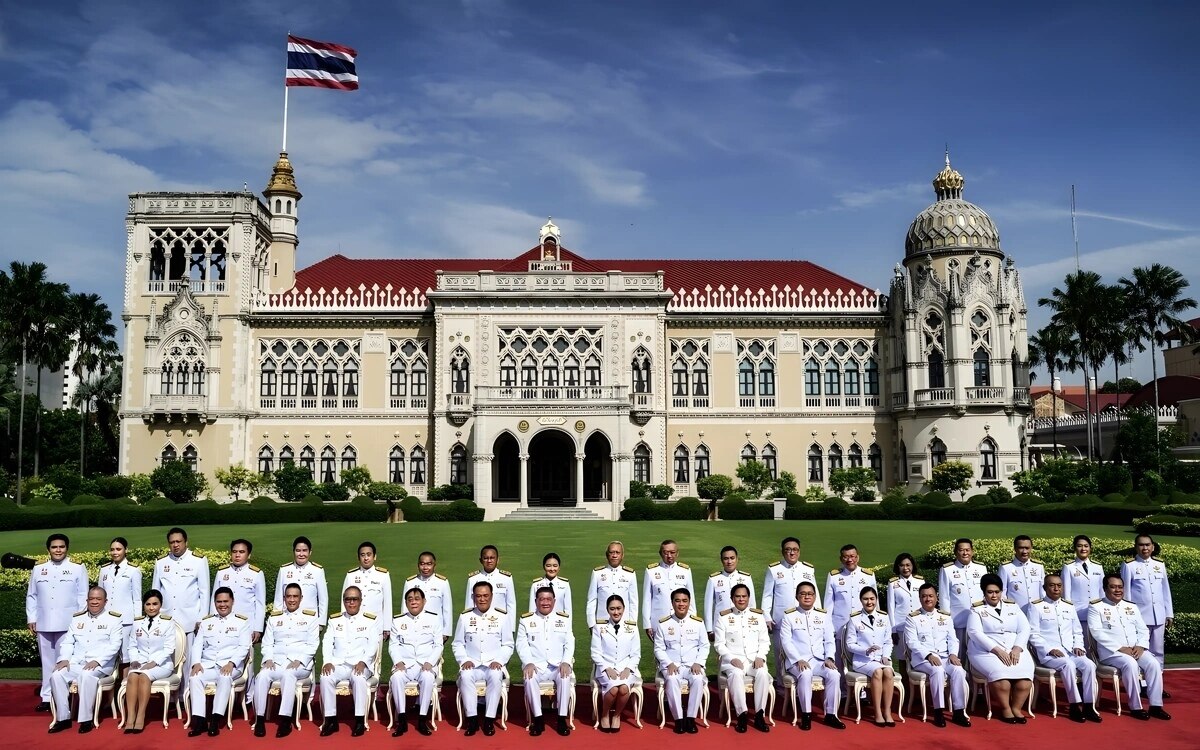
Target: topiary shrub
(638, 509)
(46, 495)
(464, 510)
(1083, 500)
(364, 500)
(999, 495)
(1114, 497)
(159, 502)
(333, 492)
(262, 501)
(835, 507)
(1138, 498)
(293, 482)
(382, 492)
(638, 490)
(894, 501)
(411, 508)
(662, 491)
(1025, 500)
(976, 501)
(311, 498)
(111, 488)
(937, 500)
(81, 500)
(863, 495)
(177, 481)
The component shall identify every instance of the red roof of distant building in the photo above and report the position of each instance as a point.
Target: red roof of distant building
(1171, 390)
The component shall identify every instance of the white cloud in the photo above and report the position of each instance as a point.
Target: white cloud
(623, 187)
(855, 199)
(1181, 253)
(488, 230)
(503, 104)
(1022, 211)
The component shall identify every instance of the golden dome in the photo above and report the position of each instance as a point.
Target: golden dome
(283, 179)
(951, 224)
(948, 183)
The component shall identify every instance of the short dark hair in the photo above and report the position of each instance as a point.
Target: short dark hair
(291, 586)
(120, 540)
(1107, 576)
(802, 584)
(614, 598)
(787, 539)
(415, 590)
(426, 552)
(1081, 537)
(487, 547)
(848, 547)
(741, 586)
(963, 540)
(681, 590)
(481, 583)
(865, 589)
(1022, 538)
(551, 556)
(901, 558)
(247, 542)
(368, 545)
(544, 590)
(664, 543)
(991, 579)
(176, 530)
(223, 590)
(926, 585)
(728, 548)
(302, 540)
(56, 537)
(152, 594)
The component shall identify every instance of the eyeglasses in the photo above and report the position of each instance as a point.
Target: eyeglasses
(351, 599)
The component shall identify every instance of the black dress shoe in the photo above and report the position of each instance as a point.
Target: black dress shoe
(1140, 714)
(329, 727)
(939, 718)
(535, 726)
(742, 720)
(401, 726)
(760, 722)
(130, 731)
(199, 727)
(1008, 719)
(423, 727)
(1166, 695)
(805, 722)
(1021, 719)
(214, 725)
(834, 722)
(60, 726)
(360, 727)
(890, 724)
(489, 726)
(43, 707)
(86, 726)
(1090, 714)
(563, 729)
(690, 725)
(260, 727)
(679, 726)
(960, 718)
(285, 727)
(1158, 713)
(1075, 713)
(472, 726)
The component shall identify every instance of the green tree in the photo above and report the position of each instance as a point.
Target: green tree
(755, 477)
(177, 481)
(1146, 447)
(714, 487)
(235, 479)
(952, 476)
(785, 485)
(292, 482)
(1124, 385)
(89, 322)
(852, 479)
(1073, 307)
(1051, 346)
(357, 479)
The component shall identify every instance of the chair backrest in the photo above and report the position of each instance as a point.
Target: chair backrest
(377, 665)
(180, 650)
(846, 655)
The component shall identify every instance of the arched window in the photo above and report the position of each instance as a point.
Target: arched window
(816, 472)
(702, 465)
(833, 379)
(853, 384)
(407, 365)
(749, 453)
(328, 465)
(689, 373)
(308, 379)
(417, 464)
(183, 367)
(458, 465)
(508, 372)
(856, 456)
(756, 373)
(876, 458)
(350, 381)
(987, 460)
(396, 465)
(329, 378)
(937, 369)
(418, 385)
(288, 384)
(164, 386)
(550, 372)
(641, 463)
(591, 371)
(872, 388)
(746, 380)
(571, 372)
(812, 378)
(308, 461)
(700, 382)
(835, 457)
(460, 372)
(640, 370)
(286, 456)
(529, 372)
(679, 380)
(682, 465)
(191, 457)
(982, 365)
(770, 460)
(937, 452)
(168, 454)
(266, 460)
(158, 266)
(349, 458)
(267, 380)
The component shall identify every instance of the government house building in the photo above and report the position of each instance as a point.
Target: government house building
(551, 378)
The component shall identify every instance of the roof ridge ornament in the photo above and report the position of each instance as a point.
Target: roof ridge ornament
(948, 184)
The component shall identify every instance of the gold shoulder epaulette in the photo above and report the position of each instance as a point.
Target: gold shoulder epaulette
(777, 562)
(207, 617)
(1156, 558)
(468, 609)
(315, 565)
(563, 614)
(381, 569)
(726, 611)
(563, 579)
(914, 613)
(164, 557)
(256, 569)
(818, 609)
(1095, 601)
(139, 617)
(697, 618)
(439, 575)
(353, 569)
(880, 611)
(714, 574)
(164, 617)
(1068, 601)
(664, 618)
(369, 615)
(310, 612)
(80, 612)
(743, 573)
(114, 613)
(240, 617)
(502, 611)
(473, 573)
(685, 566)
(339, 614)
(630, 622)
(944, 612)
(893, 579)
(599, 568)
(1035, 560)
(789, 610)
(601, 622)
(856, 613)
(535, 580)
(919, 578)
(948, 565)
(414, 575)
(1009, 601)
(756, 610)
(627, 569)
(652, 566)
(1129, 559)
(806, 562)
(979, 603)
(505, 573)
(1036, 601)
(275, 612)
(105, 565)
(835, 571)
(526, 614)
(287, 565)
(199, 557)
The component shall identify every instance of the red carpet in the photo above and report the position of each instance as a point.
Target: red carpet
(25, 729)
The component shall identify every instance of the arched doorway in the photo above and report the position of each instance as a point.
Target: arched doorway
(597, 468)
(551, 469)
(506, 469)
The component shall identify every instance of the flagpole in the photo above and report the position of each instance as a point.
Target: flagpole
(283, 148)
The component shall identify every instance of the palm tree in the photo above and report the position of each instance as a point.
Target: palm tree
(89, 323)
(1074, 308)
(1050, 346)
(1115, 337)
(50, 348)
(1156, 302)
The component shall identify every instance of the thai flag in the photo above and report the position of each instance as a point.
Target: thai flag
(322, 64)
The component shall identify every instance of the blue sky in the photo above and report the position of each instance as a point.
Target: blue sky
(779, 129)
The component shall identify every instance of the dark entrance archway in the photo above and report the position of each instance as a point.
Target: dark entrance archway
(506, 469)
(551, 469)
(597, 468)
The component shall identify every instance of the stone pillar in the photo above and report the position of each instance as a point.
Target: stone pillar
(524, 480)
(579, 479)
(482, 476)
(622, 467)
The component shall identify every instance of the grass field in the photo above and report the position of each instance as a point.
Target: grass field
(580, 545)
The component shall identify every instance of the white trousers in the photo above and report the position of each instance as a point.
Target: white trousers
(1151, 671)
(426, 682)
(493, 679)
(1073, 670)
(833, 685)
(673, 690)
(287, 688)
(48, 651)
(1157, 635)
(224, 684)
(562, 690)
(359, 689)
(736, 680)
(89, 685)
(937, 682)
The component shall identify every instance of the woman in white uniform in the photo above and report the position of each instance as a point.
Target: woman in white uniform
(151, 650)
(998, 649)
(903, 597)
(869, 641)
(122, 581)
(616, 651)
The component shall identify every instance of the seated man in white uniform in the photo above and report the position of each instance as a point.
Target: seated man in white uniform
(415, 647)
(546, 646)
(681, 648)
(218, 656)
(482, 645)
(86, 655)
(806, 637)
(741, 639)
(348, 653)
(933, 651)
(1123, 641)
(1056, 638)
(288, 649)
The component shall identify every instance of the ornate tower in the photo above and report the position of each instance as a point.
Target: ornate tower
(283, 201)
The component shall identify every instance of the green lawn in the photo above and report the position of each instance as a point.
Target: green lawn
(581, 546)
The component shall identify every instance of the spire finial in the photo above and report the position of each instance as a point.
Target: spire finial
(948, 183)
(947, 155)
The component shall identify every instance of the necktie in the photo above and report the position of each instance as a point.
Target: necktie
(616, 627)
(871, 619)
(116, 569)
(908, 582)
(1085, 570)
(997, 611)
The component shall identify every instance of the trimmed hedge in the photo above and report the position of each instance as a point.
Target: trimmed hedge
(18, 648)
(458, 510)
(645, 509)
(1184, 635)
(737, 509)
(1165, 523)
(163, 512)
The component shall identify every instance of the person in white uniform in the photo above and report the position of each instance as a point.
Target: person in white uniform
(806, 636)
(869, 643)
(183, 579)
(348, 651)
(546, 647)
(309, 576)
(903, 597)
(551, 566)
(415, 648)
(779, 591)
(613, 578)
(680, 650)
(249, 587)
(1023, 575)
(1147, 586)
(958, 588)
(151, 652)
(436, 589)
(933, 650)
(616, 652)
(998, 649)
(1056, 638)
(289, 646)
(122, 581)
(58, 588)
(1083, 579)
(661, 579)
(718, 591)
(219, 655)
(88, 653)
(1123, 641)
(374, 584)
(482, 645)
(742, 643)
(504, 595)
(842, 587)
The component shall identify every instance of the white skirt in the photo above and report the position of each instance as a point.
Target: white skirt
(606, 683)
(158, 672)
(867, 668)
(989, 667)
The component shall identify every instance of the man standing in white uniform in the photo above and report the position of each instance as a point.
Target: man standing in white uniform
(182, 577)
(57, 590)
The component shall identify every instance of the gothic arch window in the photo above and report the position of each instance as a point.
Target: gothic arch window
(350, 384)
(278, 206)
(158, 266)
(417, 464)
(408, 370)
(195, 255)
(835, 457)
(770, 460)
(458, 464)
(508, 372)
(853, 382)
(934, 344)
(641, 463)
(289, 384)
(460, 371)
(168, 454)
(191, 457)
(903, 462)
(349, 458)
(308, 380)
(816, 472)
(872, 385)
(812, 378)
(682, 465)
(703, 467)
(689, 373)
(183, 371)
(855, 456)
(834, 373)
(286, 456)
(396, 465)
(981, 366)
(937, 453)
(749, 453)
(328, 465)
(529, 372)
(987, 460)
(329, 379)
(936, 364)
(591, 371)
(308, 460)
(756, 373)
(832, 379)
(876, 457)
(641, 371)
(266, 460)
(551, 358)
(268, 383)
(312, 374)
(571, 372)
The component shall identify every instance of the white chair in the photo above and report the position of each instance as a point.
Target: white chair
(546, 689)
(412, 690)
(637, 697)
(727, 712)
(480, 692)
(342, 688)
(660, 684)
(789, 693)
(302, 686)
(104, 685)
(166, 686)
(238, 686)
(1049, 677)
(856, 682)
(979, 683)
(1106, 672)
(917, 684)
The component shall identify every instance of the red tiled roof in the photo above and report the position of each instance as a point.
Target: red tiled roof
(340, 272)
